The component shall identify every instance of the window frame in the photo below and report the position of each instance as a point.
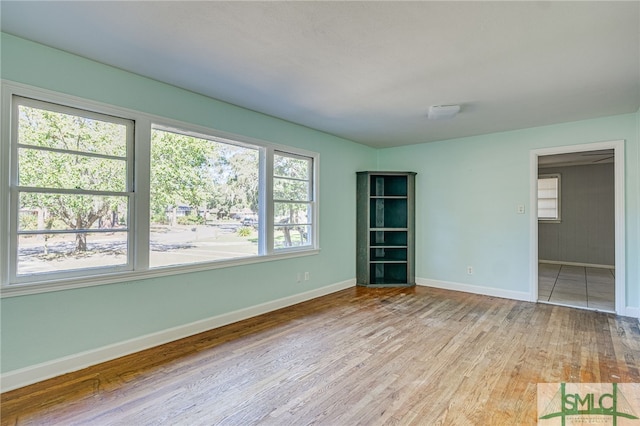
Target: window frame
(139, 220)
(558, 198)
(16, 189)
(310, 202)
(209, 135)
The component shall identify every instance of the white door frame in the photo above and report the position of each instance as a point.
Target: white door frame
(618, 147)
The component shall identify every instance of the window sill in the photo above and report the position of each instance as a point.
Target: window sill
(13, 290)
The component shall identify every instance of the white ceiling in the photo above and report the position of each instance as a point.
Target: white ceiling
(367, 71)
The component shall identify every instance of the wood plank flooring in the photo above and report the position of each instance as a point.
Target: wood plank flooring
(361, 356)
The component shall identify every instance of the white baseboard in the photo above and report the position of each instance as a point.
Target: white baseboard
(587, 265)
(467, 288)
(632, 312)
(46, 370)
(629, 311)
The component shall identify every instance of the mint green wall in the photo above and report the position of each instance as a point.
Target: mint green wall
(47, 326)
(468, 190)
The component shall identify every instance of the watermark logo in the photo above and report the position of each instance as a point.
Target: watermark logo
(574, 404)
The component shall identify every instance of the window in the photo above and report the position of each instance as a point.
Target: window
(73, 195)
(292, 200)
(80, 214)
(204, 199)
(549, 197)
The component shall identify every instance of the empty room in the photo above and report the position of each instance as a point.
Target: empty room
(319, 212)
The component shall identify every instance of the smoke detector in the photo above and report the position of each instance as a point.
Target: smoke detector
(443, 112)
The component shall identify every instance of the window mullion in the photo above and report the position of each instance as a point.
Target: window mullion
(12, 237)
(266, 202)
(46, 190)
(141, 185)
(72, 152)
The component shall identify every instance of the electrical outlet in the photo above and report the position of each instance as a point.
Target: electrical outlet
(469, 270)
(306, 276)
(299, 278)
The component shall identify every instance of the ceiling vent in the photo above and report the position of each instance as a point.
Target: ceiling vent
(443, 112)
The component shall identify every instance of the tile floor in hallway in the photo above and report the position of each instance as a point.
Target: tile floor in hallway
(585, 287)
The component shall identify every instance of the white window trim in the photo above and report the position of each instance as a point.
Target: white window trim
(266, 191)
(311, 202)
(140, 222)
(557, 219)
(16, 189)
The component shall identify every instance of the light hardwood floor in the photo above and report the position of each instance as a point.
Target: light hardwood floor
(357, 357)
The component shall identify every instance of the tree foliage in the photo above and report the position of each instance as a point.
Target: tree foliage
(201, 174)
(179, 172)
(72, 157)
(235, 175)
(291, 192)
(57, 155)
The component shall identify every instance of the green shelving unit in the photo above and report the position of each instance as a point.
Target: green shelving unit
(385, 229)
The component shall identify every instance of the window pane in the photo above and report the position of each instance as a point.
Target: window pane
(548, 183)
(547, 213)
(292, 225)
(202, 194)
(45, 211)
(44, 128)
(59, 252)
(547, 193)
(549, 204)
(288, 189)
(292, 236)
(292, 213)
(292, 167)
(46, 169)
(201, 243)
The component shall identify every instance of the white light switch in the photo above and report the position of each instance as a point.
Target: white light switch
(520, 209)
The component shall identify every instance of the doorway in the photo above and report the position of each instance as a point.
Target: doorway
(577, 250)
